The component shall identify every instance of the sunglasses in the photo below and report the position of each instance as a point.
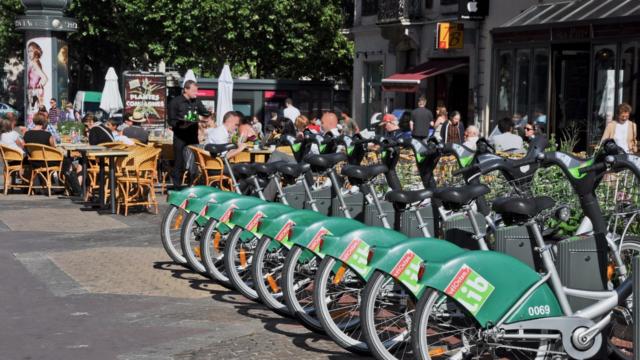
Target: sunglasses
(529, 128)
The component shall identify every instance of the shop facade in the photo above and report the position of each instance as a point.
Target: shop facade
(567, 65)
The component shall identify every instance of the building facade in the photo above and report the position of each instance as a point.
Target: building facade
(397, 36)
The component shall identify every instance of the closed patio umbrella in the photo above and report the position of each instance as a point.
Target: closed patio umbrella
(111, 101)
(189, 75)
(225, 94)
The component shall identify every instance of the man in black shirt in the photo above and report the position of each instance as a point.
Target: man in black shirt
(421, 118)
(134, 130)
(183, 119)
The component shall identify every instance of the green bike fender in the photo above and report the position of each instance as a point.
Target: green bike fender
(404, 260)
(199, 206)
(177, 198)
(251, 218)
(353, 247)
(223, 211)
(488, 284)
(281, 228)
(312, 237)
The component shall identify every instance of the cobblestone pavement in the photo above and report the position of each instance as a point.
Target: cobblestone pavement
(80, 285)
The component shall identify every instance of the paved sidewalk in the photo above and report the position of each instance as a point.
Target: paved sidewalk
(80, 285)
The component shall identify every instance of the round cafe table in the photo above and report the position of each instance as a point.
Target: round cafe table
(111, 155)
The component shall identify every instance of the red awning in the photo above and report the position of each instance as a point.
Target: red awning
(409, 80)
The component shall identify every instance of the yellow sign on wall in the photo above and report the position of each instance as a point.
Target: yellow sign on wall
(450, 35)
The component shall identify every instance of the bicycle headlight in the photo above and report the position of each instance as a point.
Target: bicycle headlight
(563, 213)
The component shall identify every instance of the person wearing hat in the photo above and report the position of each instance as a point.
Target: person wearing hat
(134, 130)
(390, 125)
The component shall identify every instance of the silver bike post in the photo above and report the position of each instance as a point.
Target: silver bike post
(275, 178)
(233, 177)
(311, 201)
(635, 265)
(477, 234)
(336, 187)
(376, 202)
(421, 225)
(257, 186)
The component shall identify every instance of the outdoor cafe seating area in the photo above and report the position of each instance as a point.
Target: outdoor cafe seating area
(115, 177)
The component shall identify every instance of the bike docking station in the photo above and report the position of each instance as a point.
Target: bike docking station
(636, 305)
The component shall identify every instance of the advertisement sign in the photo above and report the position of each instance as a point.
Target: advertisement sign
(39, 86)
(473, 9)
(146, 94)
(450, 35)
(63, 72)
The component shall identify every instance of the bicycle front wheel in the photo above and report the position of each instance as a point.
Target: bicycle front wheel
(386, 312)
(190, 242)
(212, 243)
(238, 257)
(266, 271)
(170, 233)
(300, 268)
(337, 297)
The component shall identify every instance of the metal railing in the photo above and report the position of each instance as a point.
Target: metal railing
(390, 11)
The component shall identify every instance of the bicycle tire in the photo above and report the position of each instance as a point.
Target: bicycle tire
(270, 293)
(168, 238)
(299, 307)
(189, 241)
(212, 253)
(368, 310)
(241, 280)
(353, 340)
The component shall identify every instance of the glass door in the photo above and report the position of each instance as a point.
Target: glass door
(570, 94)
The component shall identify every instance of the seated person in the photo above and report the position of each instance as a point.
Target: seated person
(222, 134)
(392, 128)
(99, 133)
(133, 130)
(471, 136)
(507, 141)
(120, 137)
(246, 131)
(9, 137)
(38, 135)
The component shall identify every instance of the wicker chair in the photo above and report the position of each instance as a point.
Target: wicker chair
(49, 161)
(12, 160)
(212, 169)
(137, 182)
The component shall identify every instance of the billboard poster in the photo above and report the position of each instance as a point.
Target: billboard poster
(39, 85)
(63, 72)
(146, 94)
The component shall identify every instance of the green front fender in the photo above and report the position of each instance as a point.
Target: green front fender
(251, 219)
(313, 235)
(203, 205)
(281, 228)
(353, 247)
(403, 261)
(178, 197)
(223, 211)
(488, 284)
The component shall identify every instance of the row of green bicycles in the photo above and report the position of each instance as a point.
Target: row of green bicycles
(441, 272)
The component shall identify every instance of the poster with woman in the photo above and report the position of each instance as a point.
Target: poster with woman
(38, 76)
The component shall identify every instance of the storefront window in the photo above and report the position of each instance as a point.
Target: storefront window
(504, 85)
(522, 83)
(604, 94)
(373, 89)
(539, 90)
(628, 74)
